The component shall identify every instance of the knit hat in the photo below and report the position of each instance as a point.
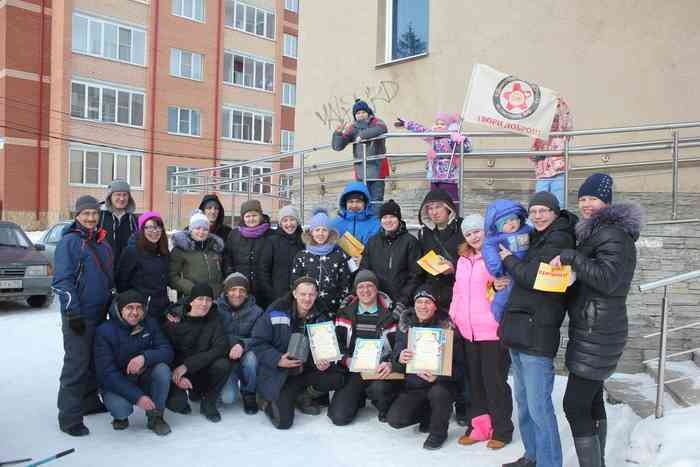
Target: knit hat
(472, 222)
(361, 105)
(251, 205)
(236, 279)
(86, 202)
(200, 289)
(305, 280)
(545, 198)
(366, 276)
(320, 219)
(425, 292)
(130, 296)
(501, 221)
(148, 215)
(118, 186)
(390, 208)
(198, 219)
(598, 185)
(288, 211)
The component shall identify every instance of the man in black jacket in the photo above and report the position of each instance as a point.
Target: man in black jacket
(117, 217)
(530, 329)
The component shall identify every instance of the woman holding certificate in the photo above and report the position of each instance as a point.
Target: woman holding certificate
(432, 360)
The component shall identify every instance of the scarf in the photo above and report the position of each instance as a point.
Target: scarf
(321, 250)
(254, 232)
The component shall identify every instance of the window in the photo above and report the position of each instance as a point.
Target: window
(250, 19)
(191, 9)
(183, 121)
(291, 5)
(247, 125)
(173, 180)
(287, 141)
(285, 187)
(260, 185)
(290, 46)
(289, 94)
(186, 64)
(107, 104)
(98, 167)
(105, 39)
(407, 28)
(250, 72)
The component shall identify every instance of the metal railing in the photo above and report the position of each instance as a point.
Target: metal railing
(661, 381)
(301, 169)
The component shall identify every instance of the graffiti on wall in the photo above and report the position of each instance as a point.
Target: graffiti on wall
(338, 109)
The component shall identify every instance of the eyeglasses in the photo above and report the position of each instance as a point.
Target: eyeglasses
(539, 212)
(153, 228)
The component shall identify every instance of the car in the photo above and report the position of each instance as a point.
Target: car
(25, 273)
(51, 237)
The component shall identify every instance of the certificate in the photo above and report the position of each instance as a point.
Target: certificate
(366, 356)
(432, 350)
(323, 342)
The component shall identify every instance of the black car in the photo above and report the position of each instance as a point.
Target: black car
(25, 273)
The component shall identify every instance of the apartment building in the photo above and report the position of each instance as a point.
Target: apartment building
(139, 90)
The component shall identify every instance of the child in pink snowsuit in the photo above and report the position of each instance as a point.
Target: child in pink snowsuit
(441, 168)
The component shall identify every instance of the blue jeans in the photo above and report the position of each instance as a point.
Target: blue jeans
(155, 382)
(533, 382)
(554, 185)
(376, 195)
(245, 372)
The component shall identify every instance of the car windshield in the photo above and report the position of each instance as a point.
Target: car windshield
(13, 236)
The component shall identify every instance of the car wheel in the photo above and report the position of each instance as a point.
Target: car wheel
(40, 301)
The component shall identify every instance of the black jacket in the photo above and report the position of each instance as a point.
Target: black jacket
(219, 229)
(119, 231)
(245, 255)
(147, 272)
(277, 262)
(385, 323)
(392, 258)
(604, 263)
(444, 242)
(532, 318)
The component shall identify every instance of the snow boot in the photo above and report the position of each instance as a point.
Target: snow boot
(119, 425)
(461, 413)
(77, 429)
(602, 432)
(306, 403)
(208, 408)
(522, 462)
(156, 423)
(250, 404)
(588, 451)
(434, 441)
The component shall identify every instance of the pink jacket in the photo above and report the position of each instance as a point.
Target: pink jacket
(553, 165)
(471, 309)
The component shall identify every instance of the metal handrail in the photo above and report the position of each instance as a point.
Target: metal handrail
(686, 276)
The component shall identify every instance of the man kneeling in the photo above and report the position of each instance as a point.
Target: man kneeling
(131, 360)
(282, 381)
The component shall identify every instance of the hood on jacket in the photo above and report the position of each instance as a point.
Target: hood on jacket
(501, 208)
(115, 316)
(213, 197)
(628, 216)
(354, 187)
(433, 196)
(409, 319)
(182, 240)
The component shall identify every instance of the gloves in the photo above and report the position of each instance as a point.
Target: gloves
(400, 122)
(76, 323)
(457, 137)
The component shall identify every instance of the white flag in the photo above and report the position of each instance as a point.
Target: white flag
(505, 102)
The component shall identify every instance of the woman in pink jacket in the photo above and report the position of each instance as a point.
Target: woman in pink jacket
(487, 359)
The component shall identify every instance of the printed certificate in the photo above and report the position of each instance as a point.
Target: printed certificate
(367, 354)
(323, 342)
(432, 348)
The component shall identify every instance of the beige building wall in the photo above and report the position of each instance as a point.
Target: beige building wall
(621, 63)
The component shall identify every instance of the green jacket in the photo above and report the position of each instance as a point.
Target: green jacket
(192, 262)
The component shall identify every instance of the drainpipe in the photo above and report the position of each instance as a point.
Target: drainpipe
(217, 93)
(40, 113)
(154, 68)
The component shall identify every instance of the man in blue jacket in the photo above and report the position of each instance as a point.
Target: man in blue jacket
(83, 280)
(354, 214)
(131, 358)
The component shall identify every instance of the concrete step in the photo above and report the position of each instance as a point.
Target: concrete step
(636, 390)
(686, 391)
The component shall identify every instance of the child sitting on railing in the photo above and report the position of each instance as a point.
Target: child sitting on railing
(443, 156)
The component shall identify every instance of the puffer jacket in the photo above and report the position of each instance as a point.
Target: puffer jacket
(362, 225)
(192, 262)
(604, 263)
(238, 324)
(532, 318)
(471, 308)
(365, 130)
(277, 262)
(392, 257)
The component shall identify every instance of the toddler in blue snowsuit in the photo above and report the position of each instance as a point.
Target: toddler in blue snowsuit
(504, 225)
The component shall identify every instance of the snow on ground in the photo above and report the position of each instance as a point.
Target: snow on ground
(31, 350)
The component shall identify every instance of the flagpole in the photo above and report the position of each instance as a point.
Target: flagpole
(460, 179)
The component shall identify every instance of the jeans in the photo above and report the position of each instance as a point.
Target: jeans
(376, 195)
(245, 372)
(554, 185)
(155, 382)
(533, 378)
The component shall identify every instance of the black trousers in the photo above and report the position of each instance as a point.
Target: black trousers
(323, 381)
(350, 398)
(583, 405)
(208, 382)
(434, 403)
(488, 363)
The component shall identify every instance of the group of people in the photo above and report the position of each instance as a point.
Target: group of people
(243, 294)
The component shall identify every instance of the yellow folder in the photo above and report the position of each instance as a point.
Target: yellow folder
(551, 279)
(351, 245)
(433, 263)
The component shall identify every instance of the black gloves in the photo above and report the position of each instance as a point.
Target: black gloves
(76, 323)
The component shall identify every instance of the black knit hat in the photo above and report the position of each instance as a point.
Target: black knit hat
(599, 185)
(130, 296)
(86, 202)
(425, 291)
(361, 105)
(545, 198)
(201, 289)
(390, 208)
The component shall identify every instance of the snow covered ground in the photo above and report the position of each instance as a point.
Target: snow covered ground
(31, 351)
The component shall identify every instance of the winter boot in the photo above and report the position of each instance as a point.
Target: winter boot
(156, 423)
(273, 413)
(496, 444)
(177, 401)
(119, 425)
(588, 451)
(434, 441)
(208, 408)
(461, 413)
(522, 462)
(602, 432)
(306, 403)
(250, 404)
(77, 429)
